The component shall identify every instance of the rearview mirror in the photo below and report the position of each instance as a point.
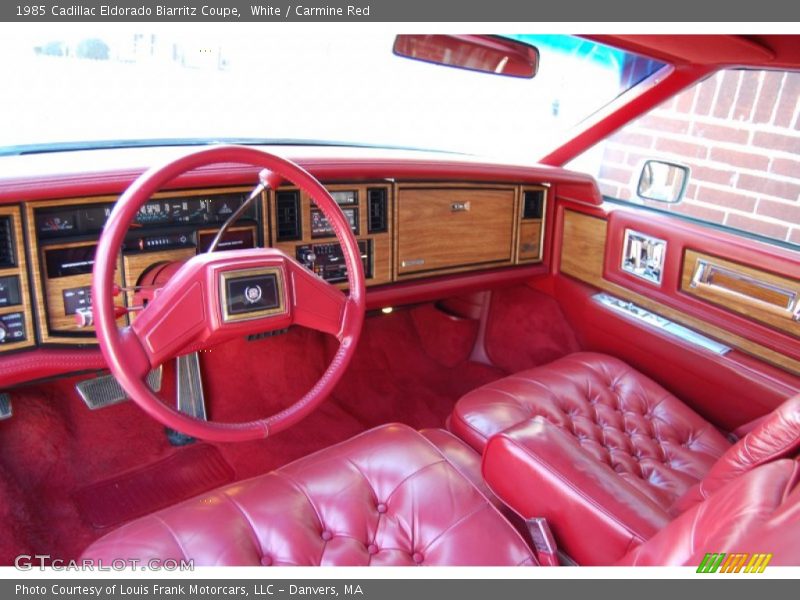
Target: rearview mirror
(484, 53)
(663, 181)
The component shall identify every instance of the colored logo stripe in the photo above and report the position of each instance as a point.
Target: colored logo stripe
(734, 563)
(711, 563)
(758, 563)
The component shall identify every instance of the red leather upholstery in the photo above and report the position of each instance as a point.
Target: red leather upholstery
(605, 454)
(464, 459)
(776, 436)
(753, 513)
(597, 517)
(653, 441)
(539, 470)
(385, 497)
(468, 463)
(779, 535)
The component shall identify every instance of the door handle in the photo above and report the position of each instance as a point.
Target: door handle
(737, 285)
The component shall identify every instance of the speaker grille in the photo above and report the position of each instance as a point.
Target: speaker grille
(533, 204)
(378, 210)
(6, 243)
(287, 206)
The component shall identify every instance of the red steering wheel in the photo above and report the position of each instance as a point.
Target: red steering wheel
(216, 297)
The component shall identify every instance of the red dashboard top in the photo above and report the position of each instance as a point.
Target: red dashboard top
(95, 172)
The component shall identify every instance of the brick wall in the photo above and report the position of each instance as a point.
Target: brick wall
(739, 131)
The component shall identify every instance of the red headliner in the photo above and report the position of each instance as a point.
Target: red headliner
(770, 51)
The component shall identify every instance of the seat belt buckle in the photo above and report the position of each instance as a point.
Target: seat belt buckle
(544, 544)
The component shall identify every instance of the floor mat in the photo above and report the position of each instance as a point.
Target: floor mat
(189, 471)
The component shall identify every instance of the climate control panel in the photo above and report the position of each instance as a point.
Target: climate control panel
(327, 260)
(301, 229)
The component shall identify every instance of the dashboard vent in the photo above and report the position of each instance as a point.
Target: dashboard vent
(533, 204)
(288, 216)
(378, 210)
(6, 243)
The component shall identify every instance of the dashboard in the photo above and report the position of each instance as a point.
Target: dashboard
(407, 231)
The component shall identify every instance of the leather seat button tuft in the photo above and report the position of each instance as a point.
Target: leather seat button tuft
(381, 508)
(372, 549)
(326, 535)
(266, 561)
(417, 557)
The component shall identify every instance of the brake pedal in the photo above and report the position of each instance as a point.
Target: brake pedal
(105, 390)
(5, 406)
(191, 398)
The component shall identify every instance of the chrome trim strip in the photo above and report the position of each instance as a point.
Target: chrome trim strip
(644, 316)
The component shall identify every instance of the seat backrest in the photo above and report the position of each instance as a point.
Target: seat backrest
(776, 436)
(757, 512)
(386, 497)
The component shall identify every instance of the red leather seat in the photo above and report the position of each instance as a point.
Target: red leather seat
(389, 496)
(651, 439)
(606, 454)
(758, 512)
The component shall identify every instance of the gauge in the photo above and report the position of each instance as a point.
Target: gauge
(54, 223)
(153, 212)
(178, 210)
(224, 206)
(94, 218)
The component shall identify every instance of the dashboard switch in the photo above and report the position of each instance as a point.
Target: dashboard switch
(12, 328)
(84, 317)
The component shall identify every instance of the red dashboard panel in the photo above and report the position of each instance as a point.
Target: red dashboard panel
(62, 178)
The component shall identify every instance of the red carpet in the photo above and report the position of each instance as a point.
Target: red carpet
(526, 329)
(60, 463)
(190, 471)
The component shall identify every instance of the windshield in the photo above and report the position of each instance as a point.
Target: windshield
(83, 86)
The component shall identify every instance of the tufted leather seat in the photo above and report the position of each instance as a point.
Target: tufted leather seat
(651, 439)
(606, 454)
(389, 496)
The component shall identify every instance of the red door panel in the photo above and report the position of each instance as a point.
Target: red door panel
(729, 389)
(680, 236)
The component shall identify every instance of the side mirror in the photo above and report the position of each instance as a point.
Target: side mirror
(663, 181)
(484, 53)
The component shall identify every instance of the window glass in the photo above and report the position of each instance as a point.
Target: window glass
(738, 132)
(130, 82)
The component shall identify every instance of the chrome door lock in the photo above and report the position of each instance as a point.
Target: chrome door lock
(643, 256)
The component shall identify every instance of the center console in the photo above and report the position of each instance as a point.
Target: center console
(302, 231)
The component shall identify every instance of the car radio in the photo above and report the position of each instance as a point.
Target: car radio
(327, 260)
